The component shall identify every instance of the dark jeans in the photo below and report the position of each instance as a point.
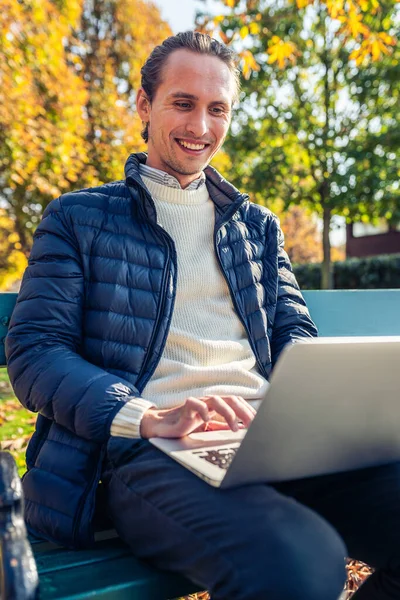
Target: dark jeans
(257, 542)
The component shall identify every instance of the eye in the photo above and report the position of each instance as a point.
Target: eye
(217, 110)
(182, 104)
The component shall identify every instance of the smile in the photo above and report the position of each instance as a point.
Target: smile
(190, 146)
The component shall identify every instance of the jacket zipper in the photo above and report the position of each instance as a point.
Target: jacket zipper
(164, 288)
(140, 385)
(233, 298)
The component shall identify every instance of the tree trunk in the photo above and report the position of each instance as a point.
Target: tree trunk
(326, 271)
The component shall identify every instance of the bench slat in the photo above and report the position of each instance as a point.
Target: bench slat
(123, 578)
(56, 558)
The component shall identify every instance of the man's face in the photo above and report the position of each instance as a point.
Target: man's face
(190, 114)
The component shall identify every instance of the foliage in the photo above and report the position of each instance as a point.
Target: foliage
(12, 260)
(356, 273)
(68, 74)
(318, 122)
(302, 236)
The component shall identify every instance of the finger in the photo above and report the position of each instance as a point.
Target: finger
(223, 409)
(242, 409)
(195, 407)
(239, 399)
(246, 404)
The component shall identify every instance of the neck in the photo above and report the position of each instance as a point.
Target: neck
(184, 180)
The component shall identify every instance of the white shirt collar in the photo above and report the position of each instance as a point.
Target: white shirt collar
(169, 180)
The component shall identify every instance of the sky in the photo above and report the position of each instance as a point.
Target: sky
(180, 14)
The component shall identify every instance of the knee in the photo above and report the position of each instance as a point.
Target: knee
(309, 562)
(312, 567)
(303, 559)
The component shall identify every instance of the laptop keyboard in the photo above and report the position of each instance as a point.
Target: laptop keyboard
(220, 458)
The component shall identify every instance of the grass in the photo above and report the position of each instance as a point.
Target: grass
(16, 427)
(16, 423)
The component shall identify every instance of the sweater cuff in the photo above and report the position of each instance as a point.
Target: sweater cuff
(126, 422)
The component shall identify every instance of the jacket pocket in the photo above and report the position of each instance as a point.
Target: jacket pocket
(60, 488)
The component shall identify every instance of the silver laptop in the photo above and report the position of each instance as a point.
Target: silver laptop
(333, 405)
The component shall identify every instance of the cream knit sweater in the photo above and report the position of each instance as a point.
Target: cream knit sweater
(207, 351)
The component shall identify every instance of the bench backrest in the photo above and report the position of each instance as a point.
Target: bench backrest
(355, 312)
(335, 312)
(7, 303)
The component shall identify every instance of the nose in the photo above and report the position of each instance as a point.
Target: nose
(197, 123)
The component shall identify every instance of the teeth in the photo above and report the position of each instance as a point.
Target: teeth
(192, 146)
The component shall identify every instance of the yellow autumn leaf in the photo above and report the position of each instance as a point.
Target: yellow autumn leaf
(386, 38)
(369, 6)
(16, 178)
(13, 238)
(375, 50)
(249, 63)
(280, 52)
(353, 24)
(303, 3)
(254, 28)
(335, 8)
(372, 49)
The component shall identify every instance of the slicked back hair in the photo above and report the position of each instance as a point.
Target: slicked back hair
(201, 43)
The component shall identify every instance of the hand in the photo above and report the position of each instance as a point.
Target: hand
(197, 414)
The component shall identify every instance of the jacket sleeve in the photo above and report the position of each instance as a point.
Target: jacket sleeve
(43, 344)
(292, 319)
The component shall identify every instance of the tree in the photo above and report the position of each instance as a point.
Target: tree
(302, 237)
(42, 138)
(318, 120)
(68, 74)
(12, 261)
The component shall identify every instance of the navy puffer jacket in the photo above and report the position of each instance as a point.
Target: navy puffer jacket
(92, 319)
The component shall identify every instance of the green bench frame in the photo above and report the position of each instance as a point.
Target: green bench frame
(109, 571)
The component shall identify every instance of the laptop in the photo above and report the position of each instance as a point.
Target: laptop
(333, 405)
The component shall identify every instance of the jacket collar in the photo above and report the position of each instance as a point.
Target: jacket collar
(224, 195)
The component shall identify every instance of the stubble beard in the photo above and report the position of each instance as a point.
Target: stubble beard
(174, 164)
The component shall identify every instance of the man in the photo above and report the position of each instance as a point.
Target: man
(156, 306)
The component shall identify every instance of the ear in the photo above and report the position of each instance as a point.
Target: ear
(143, 106)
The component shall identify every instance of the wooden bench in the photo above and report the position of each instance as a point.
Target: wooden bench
(109, 571)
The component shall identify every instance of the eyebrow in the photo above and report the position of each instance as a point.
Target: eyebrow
(184, 95)
(193, 97)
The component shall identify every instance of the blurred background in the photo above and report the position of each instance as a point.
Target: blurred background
(315, 135)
